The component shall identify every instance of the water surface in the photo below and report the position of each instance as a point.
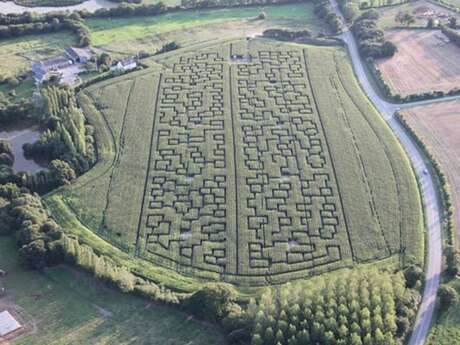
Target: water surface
(18, 135)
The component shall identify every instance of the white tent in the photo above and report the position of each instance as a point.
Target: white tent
(8, 323)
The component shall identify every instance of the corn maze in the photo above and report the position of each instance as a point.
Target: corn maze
(243, 177)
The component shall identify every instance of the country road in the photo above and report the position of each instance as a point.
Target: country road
(432, 208)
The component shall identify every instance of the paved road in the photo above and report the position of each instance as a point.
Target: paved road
(431, 204)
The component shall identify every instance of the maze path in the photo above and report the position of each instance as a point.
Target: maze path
(240, 180)
(290, 208)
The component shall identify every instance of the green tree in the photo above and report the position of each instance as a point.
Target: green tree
(413, 274)
(212, 301)
(448, 296)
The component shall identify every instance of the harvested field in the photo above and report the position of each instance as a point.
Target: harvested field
(253, 161)
(438, 126)
(422, 10)
(425, 61)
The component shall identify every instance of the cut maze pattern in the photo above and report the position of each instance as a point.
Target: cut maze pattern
(240, 180)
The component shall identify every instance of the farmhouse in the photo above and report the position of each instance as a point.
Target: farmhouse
(43, 69)
(125, 65)
(8, 323)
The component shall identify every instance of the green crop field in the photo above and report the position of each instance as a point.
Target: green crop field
(252, 162)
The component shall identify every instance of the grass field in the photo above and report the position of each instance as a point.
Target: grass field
(422, 63)
(446, 330)
(124, 36)
(249, 172)
(66, 306)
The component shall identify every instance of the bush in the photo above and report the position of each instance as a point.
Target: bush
(168, 47)
(262, 15)
(448, 296)
(212, 302)
(413, 274)
(452, 260)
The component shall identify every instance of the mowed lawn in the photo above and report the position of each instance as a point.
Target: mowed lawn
(66, 306)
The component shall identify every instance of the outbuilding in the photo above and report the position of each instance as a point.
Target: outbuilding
(125, 65)
(78, 55)
(8, 324)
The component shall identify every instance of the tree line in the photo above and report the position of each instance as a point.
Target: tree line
(371, 41)
(67, 137)
(324, 10)
(26, 24)
(452, 34)
(359, 307)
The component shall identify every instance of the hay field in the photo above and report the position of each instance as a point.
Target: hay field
(258, 169)
(423, 62)
(438, 126)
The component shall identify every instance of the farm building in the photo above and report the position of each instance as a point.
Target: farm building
(78, 55)
(41, 69)
(8, 323)
(125, 65)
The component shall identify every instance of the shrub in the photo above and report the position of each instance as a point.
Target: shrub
(413, 274)
(262, 15)
(448, 296)
(212, 302)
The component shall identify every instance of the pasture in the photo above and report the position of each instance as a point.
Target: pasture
(438, 126)
(66, 306)
(124, 36)
(252, 162)
(424, 62)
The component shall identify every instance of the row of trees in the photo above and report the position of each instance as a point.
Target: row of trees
(38, 27)
(452, 34)
(230, 3)
(67, 137)
(38, 235)
(353, 307)
(324, 10)
(371, 41)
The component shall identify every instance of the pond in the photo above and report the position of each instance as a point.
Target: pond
(17, 136)
(90, 5)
